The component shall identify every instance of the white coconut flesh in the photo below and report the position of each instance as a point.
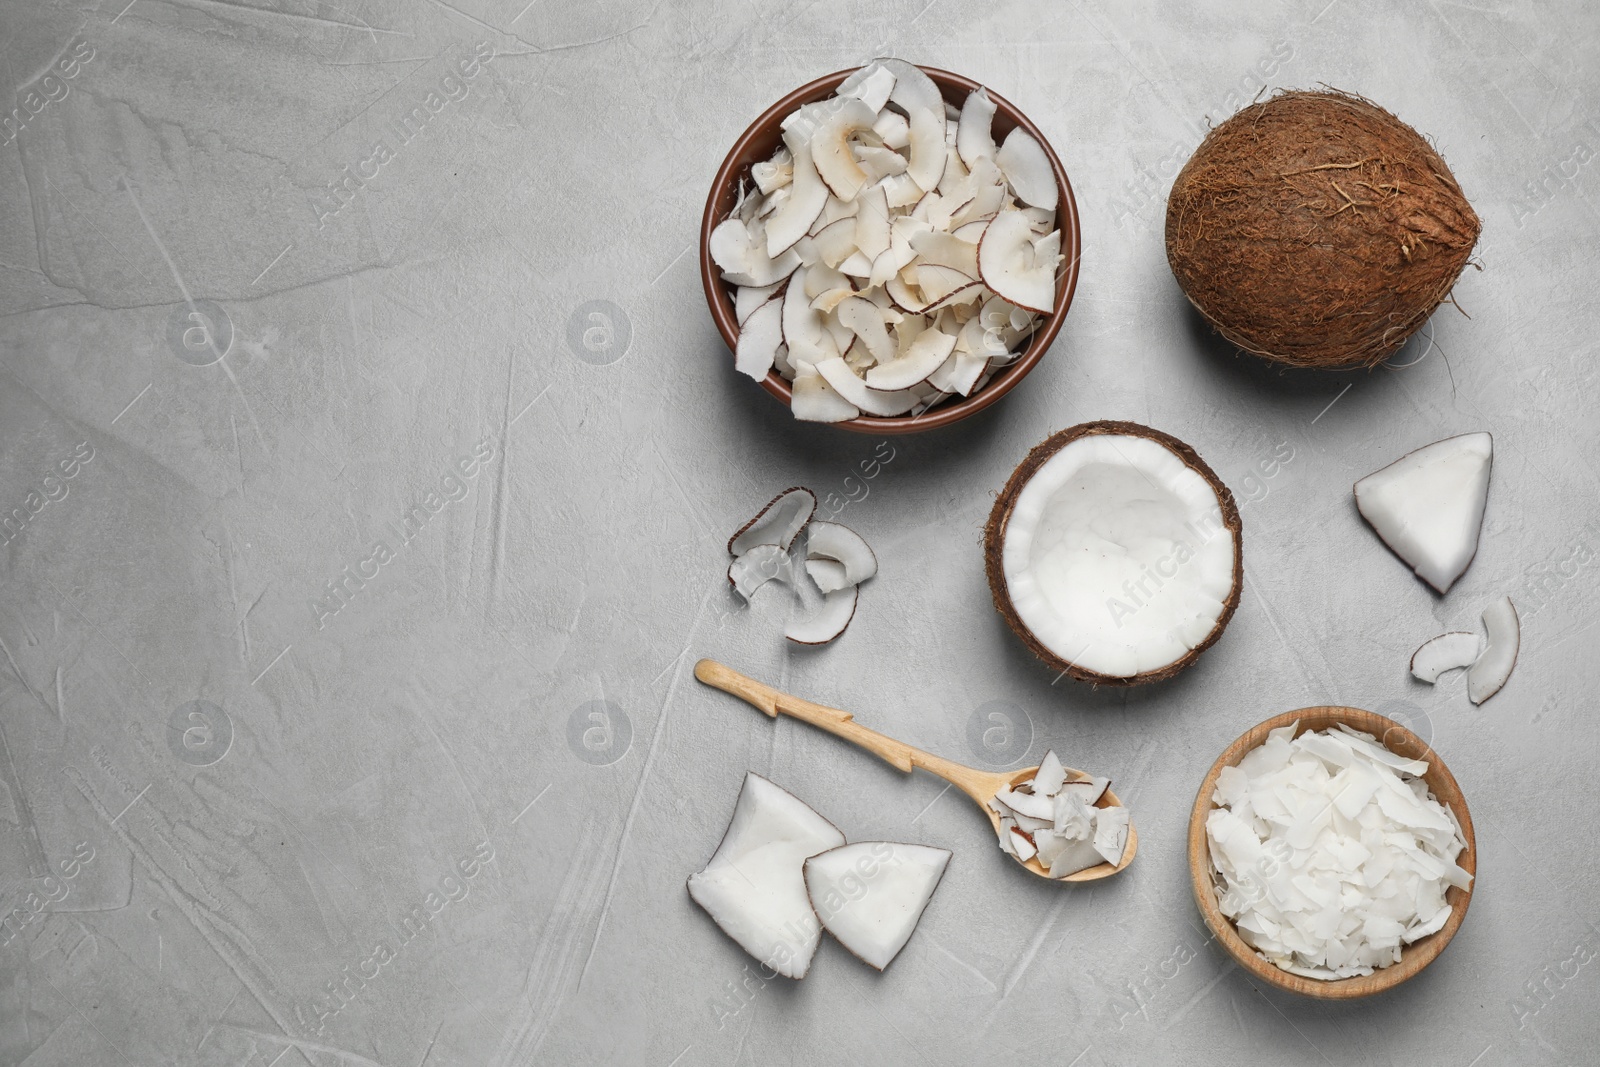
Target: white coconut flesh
(778, 523)
(1447, 652)
(829, 621)
(1054, 819)
(1428, 506)
(832, 541)
(754, 886)
(1329, 854)
(870, 895)
(758, 566)
(829, 575)
(1493, 668)
(1115, 556)
(874, 224)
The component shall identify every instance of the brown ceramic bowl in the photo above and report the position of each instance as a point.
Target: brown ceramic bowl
(1413, 957)
(759, 142)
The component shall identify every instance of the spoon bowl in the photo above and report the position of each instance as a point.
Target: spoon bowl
(981, 786)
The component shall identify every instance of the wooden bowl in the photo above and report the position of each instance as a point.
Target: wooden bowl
(762, 139)
(1413, 957)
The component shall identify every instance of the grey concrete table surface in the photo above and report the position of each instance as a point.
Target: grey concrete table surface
(346, 705)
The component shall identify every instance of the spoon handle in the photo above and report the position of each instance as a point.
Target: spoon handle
(897, 754)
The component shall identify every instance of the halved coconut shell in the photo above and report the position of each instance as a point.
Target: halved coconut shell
(1000, 518)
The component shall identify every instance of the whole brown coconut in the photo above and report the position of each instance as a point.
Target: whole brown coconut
(1317, 230)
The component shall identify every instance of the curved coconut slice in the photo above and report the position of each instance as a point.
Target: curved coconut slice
(940, 379)
(1114, 553)
(878, 162)
(899, 254)
(864, 319)
(893, 130)
(1428, 506)
(1447, 652)
(872, 85)
(827, 574)
(1047, 251)
(729, 245)
(778, 522)
(964, 376)
(973, 139)
(812, 399)
(804, 330)
(763, 209)
(953, 183)
(835, 541)
(754, 887)
(741, 253)
(759, 338)
(830, 146)
(773, 174)
(749, 297)
(870, 895)
(1493, 668)
(903, 293)
(966, 294)
(838, 608)
(819, 279)
(872, 400)
(935, 247)
(836, 242)
(829, 301)
(1006, 264)
(1026, 166)
(1043, 220)
(931, 348)
(857, 265)
(937, 283)
(758, 566)
(808, 195)
(873, 225)
(924, 106)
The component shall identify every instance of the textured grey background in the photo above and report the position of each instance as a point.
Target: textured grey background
(214, 868)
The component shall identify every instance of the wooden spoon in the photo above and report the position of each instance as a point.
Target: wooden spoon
(981, 786)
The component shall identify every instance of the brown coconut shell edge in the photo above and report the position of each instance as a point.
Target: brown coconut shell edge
(1000, 515)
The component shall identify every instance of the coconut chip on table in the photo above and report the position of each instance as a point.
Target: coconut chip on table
(1054, 818)
(835, 561)
(1329, 854)
(1488, 660)
(890, 255)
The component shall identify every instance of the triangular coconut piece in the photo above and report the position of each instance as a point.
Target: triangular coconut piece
(754, 888)
(1428, 505)
(870, 894)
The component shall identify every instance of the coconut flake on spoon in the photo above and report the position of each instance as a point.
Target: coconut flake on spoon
(1056, 820)
(1114, 553)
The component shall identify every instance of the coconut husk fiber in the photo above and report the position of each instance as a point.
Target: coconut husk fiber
(1318, 230)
